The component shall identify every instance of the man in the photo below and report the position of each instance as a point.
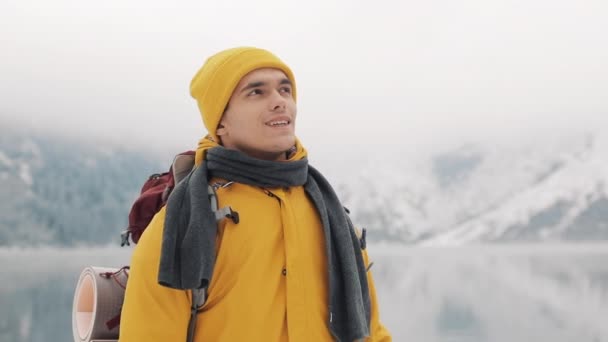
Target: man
(289, 267)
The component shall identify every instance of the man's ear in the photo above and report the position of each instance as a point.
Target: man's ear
(221, 130)
(221, 127)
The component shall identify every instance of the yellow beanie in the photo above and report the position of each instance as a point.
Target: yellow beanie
(213, 84)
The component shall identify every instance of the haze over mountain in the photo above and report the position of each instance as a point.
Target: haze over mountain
(66, 191)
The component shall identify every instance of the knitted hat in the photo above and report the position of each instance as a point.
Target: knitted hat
(213, 84)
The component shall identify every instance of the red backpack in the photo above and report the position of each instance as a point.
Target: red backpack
(153, 196)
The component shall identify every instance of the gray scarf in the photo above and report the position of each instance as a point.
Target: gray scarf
(188, 247)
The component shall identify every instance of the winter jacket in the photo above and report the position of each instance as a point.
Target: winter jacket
(269, 282)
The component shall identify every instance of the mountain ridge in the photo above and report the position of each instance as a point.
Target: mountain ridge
(63, 191)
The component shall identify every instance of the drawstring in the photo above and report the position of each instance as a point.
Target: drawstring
(114, 275)
(115, 321)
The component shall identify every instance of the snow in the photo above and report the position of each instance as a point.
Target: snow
(577, 182)
(4, 159)
(25, 174)
(506, 187)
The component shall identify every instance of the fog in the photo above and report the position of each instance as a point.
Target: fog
(405, 73)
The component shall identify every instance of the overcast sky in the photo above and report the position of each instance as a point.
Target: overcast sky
(368, 73)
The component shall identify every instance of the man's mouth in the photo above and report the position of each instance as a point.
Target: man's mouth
(278, 123)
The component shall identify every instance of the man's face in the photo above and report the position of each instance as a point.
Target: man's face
(261, 116)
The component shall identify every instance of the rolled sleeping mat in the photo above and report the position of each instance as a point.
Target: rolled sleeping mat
(97, 303)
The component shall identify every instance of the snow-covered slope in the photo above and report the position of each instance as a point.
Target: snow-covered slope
(64, 192)
(61, 191)
(533, 191)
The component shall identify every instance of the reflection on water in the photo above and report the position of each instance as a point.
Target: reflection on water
(500, 293)
(37, 290)
(492, 293)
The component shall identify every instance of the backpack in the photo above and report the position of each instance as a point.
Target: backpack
(111, 281)
(154, 195)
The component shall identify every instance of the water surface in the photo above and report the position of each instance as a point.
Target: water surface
(475, 293)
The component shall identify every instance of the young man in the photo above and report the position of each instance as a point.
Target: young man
(290, 267)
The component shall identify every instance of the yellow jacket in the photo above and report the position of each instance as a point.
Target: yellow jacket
(269, 282)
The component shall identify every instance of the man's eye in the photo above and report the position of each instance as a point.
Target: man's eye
(255, 92)
(286, 90)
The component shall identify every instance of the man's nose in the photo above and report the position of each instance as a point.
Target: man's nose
(277, 101)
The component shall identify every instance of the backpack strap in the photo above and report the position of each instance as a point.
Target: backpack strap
(198, 299)
(199, 296)
(225, 212)
(182, 165)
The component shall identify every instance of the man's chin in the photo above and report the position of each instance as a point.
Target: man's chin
(282, 144)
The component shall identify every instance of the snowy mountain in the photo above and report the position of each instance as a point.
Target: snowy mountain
(530, 191)
(66, 192)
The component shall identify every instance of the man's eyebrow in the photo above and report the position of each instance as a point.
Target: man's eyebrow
(253, 85)
(262, 83)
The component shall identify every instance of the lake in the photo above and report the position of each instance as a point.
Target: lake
(535, 292)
